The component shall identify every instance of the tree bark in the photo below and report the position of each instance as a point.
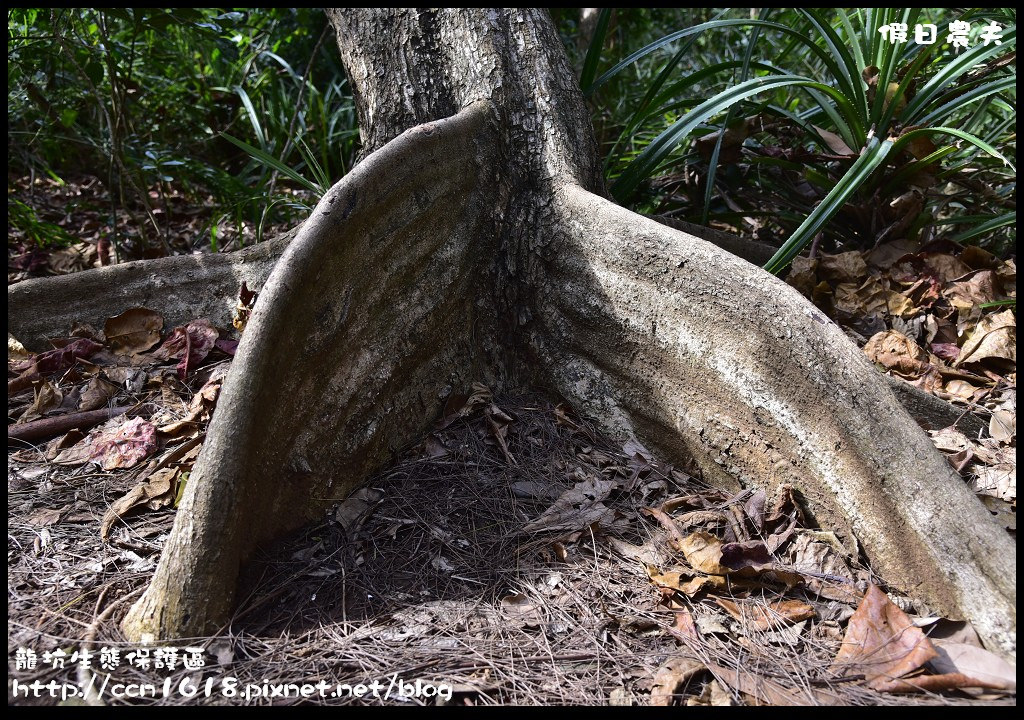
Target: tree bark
(473, 242)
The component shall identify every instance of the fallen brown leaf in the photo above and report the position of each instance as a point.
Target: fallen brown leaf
(671, 678)
(882, 643)
(134, 331)
(155, 492)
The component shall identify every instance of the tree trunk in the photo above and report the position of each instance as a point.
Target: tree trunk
(473, 242)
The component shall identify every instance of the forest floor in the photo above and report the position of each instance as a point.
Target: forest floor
(514, 555)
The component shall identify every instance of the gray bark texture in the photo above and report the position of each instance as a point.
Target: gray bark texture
(473, 242)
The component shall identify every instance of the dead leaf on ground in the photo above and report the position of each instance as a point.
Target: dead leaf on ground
(200, 407)
(577, 508)
(771, 616)
(897, 353)
(51, 361)
(684, 582)
(155, 492)
(117, 443)
(767, 691)
(999, 481)
(44, 517)
(882, 643)
(676, 537)
(973, 662)
(356, 508)
(97, 394)
(994, 337)
(134, 331)
(984, 286)
(16, 352)
(671, 679)
(847, 267)
(189, 345)
(47, 397)
(461, 406)
(704, 553)
(522, 609)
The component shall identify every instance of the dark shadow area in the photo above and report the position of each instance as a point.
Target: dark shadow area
(457, 518)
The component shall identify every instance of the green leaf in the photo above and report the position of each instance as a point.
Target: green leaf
(848, 184)
(656, 153)
(594, 51)
(270, 161)
(985, 228)
(94, 71)
(976, 141)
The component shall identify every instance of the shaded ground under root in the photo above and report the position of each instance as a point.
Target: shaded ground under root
(452, 567)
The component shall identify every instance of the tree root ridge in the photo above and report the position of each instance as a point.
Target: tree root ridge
(384, 304)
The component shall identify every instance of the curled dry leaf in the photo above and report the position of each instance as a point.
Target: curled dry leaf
(671, 581)
(243, 309)
(983, 286)
(704, 553)
(47, 397)
(356, 508)
(994, 338)
(16, 352)
(97, 394)
(998, 481)
(896, 352)
(134, 331)
(671, 678)
(189, 344)
(676, 538)
(971, 661)
(200, 407)
(155, 492)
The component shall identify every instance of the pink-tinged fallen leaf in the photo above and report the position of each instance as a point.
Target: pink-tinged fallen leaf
(52, 361)
(882, 643)
(189, 344)
(946, 351)
(134, 331)
(228, 347)
(117, 443)
(684, 627)
(749, 553)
